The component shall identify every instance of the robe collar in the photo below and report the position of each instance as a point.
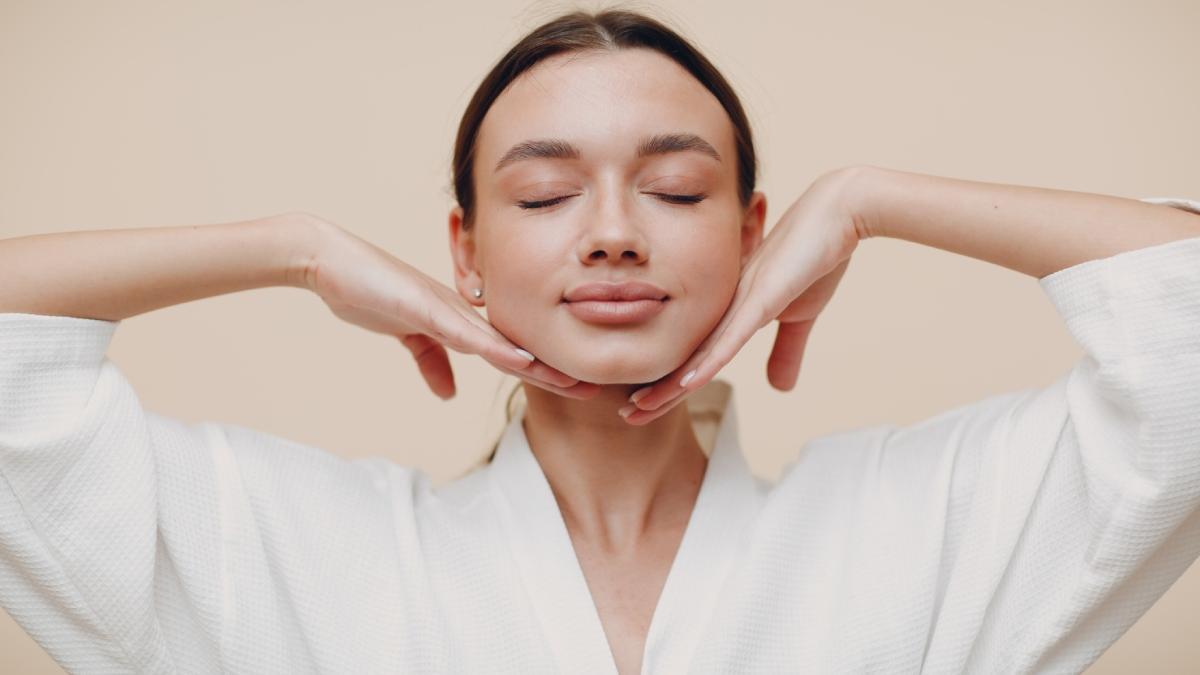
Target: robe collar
(726, 506)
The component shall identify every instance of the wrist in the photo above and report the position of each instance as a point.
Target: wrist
(856, 189)
(300, 237)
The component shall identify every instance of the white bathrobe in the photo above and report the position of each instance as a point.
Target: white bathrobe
(1021, 533)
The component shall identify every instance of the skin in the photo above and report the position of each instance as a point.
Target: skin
(626, 492)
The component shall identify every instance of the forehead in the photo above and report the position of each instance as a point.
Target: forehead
(603, 102)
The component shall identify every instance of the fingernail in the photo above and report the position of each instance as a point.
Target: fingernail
(525, 354)
(626, 410)
(639, 395)
(687, 378)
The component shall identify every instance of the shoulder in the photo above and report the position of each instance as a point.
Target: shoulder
(912, 454)
(279, 473)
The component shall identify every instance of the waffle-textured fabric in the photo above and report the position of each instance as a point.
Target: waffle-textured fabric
(1024, 532)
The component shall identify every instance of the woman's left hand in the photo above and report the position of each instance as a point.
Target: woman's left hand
(790, 277)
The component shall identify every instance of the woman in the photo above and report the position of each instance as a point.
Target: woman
(607, 221)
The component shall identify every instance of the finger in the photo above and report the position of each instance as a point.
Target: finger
(545, 373)
(669, 387)
(453, 330)
(641, 417)
(540, 369)
(743, 327)
(535, 369)
(708, 361)
(783, 366)
(465, 336)
(580, 390)
(433, 362)
(541, 373)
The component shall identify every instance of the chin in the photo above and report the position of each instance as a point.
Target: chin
(617, 368)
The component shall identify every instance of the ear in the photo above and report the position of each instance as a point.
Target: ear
(462, 252)
(752, 225)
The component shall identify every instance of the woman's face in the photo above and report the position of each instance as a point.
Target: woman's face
(611, 217)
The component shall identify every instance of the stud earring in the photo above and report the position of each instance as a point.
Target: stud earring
(478, 293)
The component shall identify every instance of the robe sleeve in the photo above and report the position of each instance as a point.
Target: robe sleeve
(135, 542)
(1074, 507)
(80, 507)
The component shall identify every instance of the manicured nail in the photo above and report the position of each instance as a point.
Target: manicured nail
(639, 395)
(525, 354)
(687, 378)
(626, 410)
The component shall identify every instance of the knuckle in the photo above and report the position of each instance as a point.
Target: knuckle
(422, 351)
(762, 313)
(458, 336)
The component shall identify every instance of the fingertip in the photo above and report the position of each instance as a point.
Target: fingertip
(691, 374)
(692, 380)
(645, 417)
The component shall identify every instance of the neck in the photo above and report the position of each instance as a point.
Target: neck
(614, 482)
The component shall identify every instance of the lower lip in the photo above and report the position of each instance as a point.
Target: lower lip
(615, 311)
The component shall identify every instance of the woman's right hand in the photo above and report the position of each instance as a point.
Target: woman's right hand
(367, 286)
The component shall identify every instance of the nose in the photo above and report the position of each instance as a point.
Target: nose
(612, 236)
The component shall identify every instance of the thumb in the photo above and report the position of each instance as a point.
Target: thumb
(433, 362)
(783, 366)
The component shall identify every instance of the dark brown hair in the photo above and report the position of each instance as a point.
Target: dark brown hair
(611, 29)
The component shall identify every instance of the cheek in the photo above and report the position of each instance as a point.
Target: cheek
(712, 280)
(522, 279)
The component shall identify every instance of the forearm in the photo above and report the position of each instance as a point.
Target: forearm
(115, 274)
(1033, 230)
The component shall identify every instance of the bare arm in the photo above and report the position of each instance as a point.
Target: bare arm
(115, 274)
(795, 270)
(1034, 230)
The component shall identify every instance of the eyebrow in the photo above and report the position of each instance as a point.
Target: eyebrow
(658, 144)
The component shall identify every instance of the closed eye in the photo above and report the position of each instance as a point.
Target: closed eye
(543, 203)
(682, 199)
(674, 199)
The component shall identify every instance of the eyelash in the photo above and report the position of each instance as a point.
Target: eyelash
(674, 199)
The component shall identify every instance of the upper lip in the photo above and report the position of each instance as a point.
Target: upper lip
(627, 290)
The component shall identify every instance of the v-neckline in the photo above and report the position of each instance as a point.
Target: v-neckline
(727, 503)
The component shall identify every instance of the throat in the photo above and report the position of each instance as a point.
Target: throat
(616, 484)
(626, 585)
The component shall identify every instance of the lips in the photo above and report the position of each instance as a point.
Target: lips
(615, 303)
(626, 290)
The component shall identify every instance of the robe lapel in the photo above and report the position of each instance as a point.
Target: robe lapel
(546, 558)
(726, 506)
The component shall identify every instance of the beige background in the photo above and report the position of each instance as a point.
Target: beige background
(136, 114)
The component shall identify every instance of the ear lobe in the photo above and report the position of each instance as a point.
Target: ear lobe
(462, 253)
